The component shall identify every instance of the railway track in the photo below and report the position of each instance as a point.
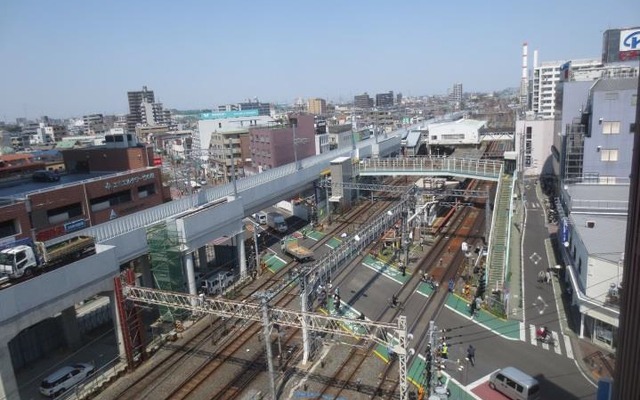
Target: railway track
(201, 378)
(146, 386)
(463, 224)
(343, 379)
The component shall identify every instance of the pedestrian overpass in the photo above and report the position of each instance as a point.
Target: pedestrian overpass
(489, 170)
(498, 258)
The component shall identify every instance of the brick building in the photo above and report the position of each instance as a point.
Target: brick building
(116, 179)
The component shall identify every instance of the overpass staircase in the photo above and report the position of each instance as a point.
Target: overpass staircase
(499, 243)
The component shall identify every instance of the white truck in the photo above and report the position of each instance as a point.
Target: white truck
(276, 222)
(19, 261)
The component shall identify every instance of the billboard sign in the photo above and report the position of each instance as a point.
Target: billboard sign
(74, 225)
(229, 114)
(630, 40)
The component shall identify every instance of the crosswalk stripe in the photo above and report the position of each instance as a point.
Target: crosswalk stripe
(532, 337)
(567, 346)
(556, 342)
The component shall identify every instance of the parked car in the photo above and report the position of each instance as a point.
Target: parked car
(65, 378)
(45, 176)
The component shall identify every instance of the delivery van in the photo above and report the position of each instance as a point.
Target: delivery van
(515, 384)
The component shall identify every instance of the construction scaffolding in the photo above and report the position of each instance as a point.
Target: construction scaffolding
(165, 257)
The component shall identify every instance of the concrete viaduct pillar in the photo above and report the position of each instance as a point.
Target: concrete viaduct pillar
(202, 257)
(242, 259)
(187, 259)
(8, 383)
(117, 324)
(70, 328)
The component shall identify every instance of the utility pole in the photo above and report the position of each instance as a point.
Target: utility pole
(295, 147)
(430, 353)
(233, 169)
(266, 323)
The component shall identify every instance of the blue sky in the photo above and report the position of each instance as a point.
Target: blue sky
(69, 58)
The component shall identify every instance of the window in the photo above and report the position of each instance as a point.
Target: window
(608, 155)
(61, 214)
(219, 124)
(632, 127)
(9, 228)
(146, 190)
(610, 127)
(104, 202)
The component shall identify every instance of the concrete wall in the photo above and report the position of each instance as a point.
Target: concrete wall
(29, 302)
(542, 132)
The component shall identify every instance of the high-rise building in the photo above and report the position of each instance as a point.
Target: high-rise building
(362, 101)
(144, 111)
(621, 45)
(455, 97)
(136, 99)
(263, 108)
(93, 124)
(545, 79)
(317, 106)
(384, 99)
(399, 98)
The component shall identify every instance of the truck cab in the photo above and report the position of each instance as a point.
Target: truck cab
(17, 261)
(276, 222)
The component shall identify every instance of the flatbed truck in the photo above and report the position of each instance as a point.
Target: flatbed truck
(294, 249)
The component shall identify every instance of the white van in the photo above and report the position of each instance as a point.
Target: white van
(515, 384)
(260, 217)
(65, 378)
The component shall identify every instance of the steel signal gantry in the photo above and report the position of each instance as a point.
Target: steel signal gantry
(386, 334)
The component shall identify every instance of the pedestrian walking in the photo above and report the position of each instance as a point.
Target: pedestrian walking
(444, 353)
(547, 277)
(471, 355)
